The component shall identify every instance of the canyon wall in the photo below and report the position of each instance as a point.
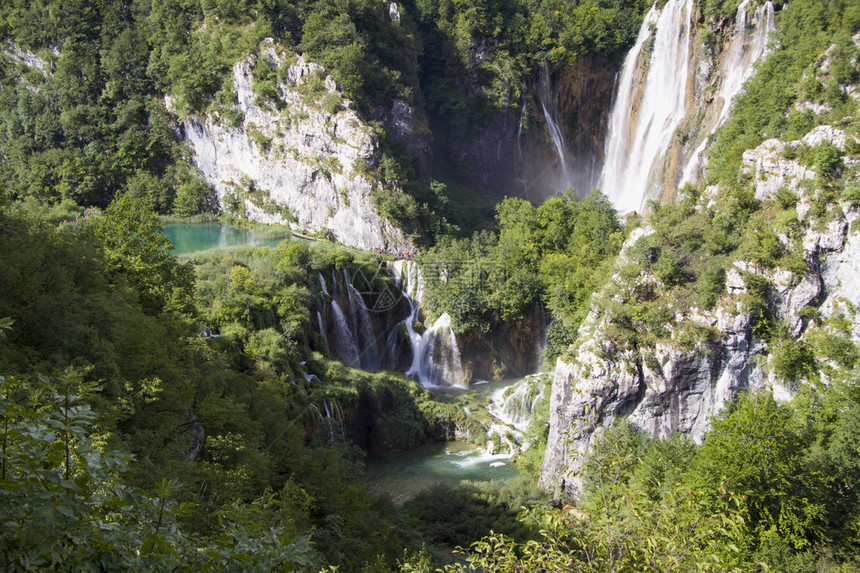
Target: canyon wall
(299, 156)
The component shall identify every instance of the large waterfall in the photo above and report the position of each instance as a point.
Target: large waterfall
(749, 42)
(646, 113)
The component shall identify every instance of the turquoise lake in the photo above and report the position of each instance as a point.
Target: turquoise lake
(195, 237)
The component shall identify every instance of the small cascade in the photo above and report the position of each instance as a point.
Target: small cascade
(738, 66)
(328, 421)
(515, 405)
(345, 347)
(354, 342)
(334, 412)
(321, 325)
(435, 354)
(550, 114)
(540, 340)
(364, 329)
(637, 140)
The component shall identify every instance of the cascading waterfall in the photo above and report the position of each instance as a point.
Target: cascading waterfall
(364, 329)
(550, 114)
(435, 354)
(354, 342)
(514, 406)
(335, 412)
(345, 348)
(636, 141)
(321, 325)
(328, 421)
(744, 51)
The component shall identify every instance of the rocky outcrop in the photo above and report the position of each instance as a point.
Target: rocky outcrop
(15, 54)
(297, 154)
(672, 387)
(508, 350)
(402, 126)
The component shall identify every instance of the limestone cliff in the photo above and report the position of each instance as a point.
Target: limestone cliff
(291, 150)
(676, 382)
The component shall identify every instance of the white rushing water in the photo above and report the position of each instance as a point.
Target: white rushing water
(637, 141)
(435, 354)
(345, 347)
(515, 405)
(748, 44)
(362, 327)
(353, 340)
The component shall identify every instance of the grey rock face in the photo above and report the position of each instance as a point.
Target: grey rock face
(298, 159)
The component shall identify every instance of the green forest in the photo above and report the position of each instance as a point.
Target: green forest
(131, 442)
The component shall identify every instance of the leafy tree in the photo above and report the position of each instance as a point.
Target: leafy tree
(138, 252)
(756, 452)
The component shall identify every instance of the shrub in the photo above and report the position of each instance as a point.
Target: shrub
(792, 360)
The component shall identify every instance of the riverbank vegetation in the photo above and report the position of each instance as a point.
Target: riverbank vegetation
(137, 442)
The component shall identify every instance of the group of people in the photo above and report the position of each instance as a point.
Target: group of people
(398, 253)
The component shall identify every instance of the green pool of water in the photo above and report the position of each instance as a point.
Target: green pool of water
(402, 477)
(196, 237)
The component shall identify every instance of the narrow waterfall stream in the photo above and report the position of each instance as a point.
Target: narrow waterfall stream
(550, 114)
(637, 140)
(363, 328)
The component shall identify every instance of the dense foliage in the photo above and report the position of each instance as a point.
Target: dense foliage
(103, 365)
(541, 257)
(769, 489)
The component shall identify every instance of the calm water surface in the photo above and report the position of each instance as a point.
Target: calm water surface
(196, 237)
(403, 476)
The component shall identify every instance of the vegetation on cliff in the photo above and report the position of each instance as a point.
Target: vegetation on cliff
(545, 257)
